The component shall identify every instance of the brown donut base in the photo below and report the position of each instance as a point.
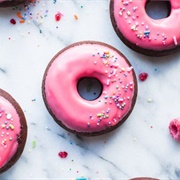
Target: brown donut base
(10, 3)
(143, 178)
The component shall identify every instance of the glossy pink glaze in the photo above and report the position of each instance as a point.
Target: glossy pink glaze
(89, 60)
(138, 28)
(9, 131)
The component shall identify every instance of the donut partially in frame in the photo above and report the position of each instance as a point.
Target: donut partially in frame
(9, 3)
(13, 131)
(143, 34)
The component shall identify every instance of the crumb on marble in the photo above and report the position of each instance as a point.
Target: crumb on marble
(149, 100)
(76, 17)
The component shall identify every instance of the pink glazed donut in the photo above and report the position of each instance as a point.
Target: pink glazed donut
(13, 131)
(142, 33)
(95, 60)
(8, 3)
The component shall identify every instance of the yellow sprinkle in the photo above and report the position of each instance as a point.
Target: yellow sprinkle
(11, 126)
(99, 115)
(3, 125)
(123, 69)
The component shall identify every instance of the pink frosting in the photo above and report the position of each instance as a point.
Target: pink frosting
(138, 28)
(89, 60)
(9, 131)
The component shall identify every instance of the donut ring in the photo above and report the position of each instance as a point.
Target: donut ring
(96, 60)
(8, 3)
(143, 34)
(13, 131)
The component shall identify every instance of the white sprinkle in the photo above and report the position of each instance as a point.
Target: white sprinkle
(8, 116)
(175, 40)
(108, 80)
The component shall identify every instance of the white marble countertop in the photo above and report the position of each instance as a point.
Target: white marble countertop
(142, 146)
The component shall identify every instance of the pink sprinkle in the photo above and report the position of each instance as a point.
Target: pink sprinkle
(62, 154)
(174, 129)
(143, 76)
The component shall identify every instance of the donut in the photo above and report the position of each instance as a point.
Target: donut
(13, 131)
(93, 60)
(144, 178)
(143, 34)
(8, 3)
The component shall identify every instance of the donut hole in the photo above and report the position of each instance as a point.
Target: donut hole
(157, 9)
(89, 88)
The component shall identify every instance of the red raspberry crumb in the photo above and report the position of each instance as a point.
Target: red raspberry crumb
(13, 21)
(62, 154)
(174, 129)
(58, 16)
(143, 76)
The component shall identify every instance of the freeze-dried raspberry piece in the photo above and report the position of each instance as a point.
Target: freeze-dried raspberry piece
(174, 128)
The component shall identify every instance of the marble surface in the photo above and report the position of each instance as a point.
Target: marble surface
(142, 146)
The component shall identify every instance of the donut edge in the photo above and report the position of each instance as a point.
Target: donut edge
(134, 47)
(23, 134)
(11, 3)
(143, 178)
(98, 132)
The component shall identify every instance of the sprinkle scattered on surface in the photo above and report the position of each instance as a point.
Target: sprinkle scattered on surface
(76, 17)
(149, 100)
(33, 144)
